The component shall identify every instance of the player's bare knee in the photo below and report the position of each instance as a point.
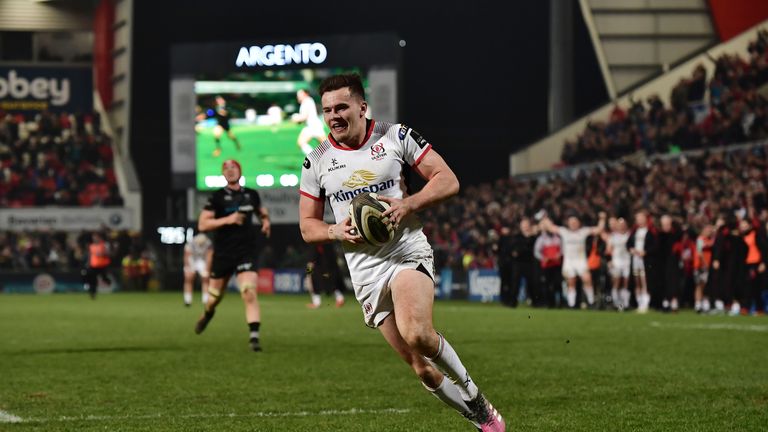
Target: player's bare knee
(419, 338)
(248, 291)
(215, 293)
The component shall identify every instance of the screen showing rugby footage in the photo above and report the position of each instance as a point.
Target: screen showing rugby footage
(257, 101)
(267, 120)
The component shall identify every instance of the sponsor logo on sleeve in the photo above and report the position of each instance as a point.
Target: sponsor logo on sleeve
(420, 140)
(402, 132)
(306, 163)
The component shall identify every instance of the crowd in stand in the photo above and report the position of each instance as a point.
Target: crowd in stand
(720, 193)
(59, 250)
(55, 159)
(732, 107)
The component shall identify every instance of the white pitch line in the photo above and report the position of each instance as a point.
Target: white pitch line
(347, 412)
(6, 417)
(714, 326)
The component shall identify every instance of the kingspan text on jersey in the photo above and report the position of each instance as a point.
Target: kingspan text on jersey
(343, 195)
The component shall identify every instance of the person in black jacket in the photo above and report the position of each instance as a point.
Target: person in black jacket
(523, 263)
(728, 257)
(670, 273)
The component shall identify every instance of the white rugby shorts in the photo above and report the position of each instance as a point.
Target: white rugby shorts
(197, 265)
(620, 269)
(638, 266)
(376, 297)
(575, 267)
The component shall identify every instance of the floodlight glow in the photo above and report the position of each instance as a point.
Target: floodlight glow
(265, 180)
(289, 180)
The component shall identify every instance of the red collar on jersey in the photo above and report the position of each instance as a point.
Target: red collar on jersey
(365, 140)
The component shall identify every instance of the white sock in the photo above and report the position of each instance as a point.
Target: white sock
(673, 304)
(306, 148)
(205, 298)
(316, 299)
(449, 393)
(590, 292)
(339, 295)
(624, 294)
(719, 305)
(646, 300)
(187, 298)
(615, 296)
(449, 363)
(665, 303)
(697, 306)
(705, 305)
(571, 298)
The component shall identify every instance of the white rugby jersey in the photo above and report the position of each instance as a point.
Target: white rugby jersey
(198, 247)
(640, 234)
(619, 254)
(309, 109)
(574, 243)
(337, 174)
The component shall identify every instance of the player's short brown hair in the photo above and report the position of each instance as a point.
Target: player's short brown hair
(351, 80)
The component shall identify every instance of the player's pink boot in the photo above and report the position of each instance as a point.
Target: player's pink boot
(486, 415)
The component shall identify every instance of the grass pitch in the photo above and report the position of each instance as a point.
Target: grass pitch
(131, 362)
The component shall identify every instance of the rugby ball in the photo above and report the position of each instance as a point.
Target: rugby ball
(365, 212)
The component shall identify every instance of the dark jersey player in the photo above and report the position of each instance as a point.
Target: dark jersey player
(229, 213)
(222, 115)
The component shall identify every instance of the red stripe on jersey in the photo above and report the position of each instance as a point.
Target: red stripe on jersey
(301, 192)
(365, 140)
(424, 153)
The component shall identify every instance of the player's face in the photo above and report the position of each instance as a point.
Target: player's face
(641, 219)
(344, 114)
(573, 223)
(231, 173)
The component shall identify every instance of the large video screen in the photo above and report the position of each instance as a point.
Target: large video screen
(267, 120)
(258, 102)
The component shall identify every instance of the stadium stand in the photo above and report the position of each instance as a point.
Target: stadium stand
(62, 160)
(729, 108)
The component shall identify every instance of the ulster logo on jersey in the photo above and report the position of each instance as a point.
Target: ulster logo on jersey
(360, 178)
(378, 152)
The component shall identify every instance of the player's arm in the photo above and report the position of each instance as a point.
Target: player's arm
(548, 225)
(208, 258)
(315, 230)
(441, 185)
(209, 222)
(299, 117)
(186, 257)
(600, 228)
(266, 225)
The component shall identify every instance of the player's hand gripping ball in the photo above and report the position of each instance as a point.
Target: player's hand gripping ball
(365, 212)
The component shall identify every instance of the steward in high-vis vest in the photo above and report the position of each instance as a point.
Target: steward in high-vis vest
(98, 262)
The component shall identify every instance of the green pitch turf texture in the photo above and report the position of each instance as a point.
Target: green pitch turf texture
(265, 150)
(131, 362)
